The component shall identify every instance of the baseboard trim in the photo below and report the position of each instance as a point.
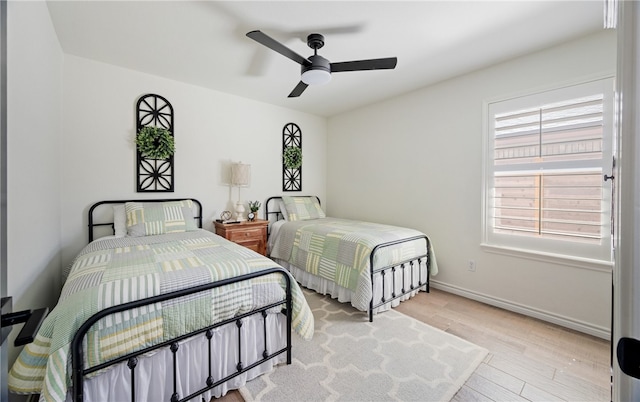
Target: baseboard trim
(580, 326)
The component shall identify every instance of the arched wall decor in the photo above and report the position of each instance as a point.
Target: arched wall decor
(154, 175)
(291, 178)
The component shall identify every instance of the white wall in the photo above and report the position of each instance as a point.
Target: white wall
(34, 75)
(416, 160)
(212, 129)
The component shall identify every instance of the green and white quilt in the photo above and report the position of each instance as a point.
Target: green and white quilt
(339, 250)
(118, 270)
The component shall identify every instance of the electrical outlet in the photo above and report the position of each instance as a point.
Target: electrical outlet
(472, 266)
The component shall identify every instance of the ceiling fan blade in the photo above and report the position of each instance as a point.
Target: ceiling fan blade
(358, 65)
(273, 44)
(298, 90)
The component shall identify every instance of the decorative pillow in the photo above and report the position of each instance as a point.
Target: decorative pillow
(302, 208)
(153, 218)
(119, 220)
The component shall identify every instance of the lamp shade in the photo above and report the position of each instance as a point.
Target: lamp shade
(240, 174)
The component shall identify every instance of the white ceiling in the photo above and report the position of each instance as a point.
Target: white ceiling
(204, 43)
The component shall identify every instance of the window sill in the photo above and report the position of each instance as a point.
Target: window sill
(577, 262)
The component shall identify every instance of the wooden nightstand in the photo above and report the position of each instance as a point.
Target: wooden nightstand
(252, 235)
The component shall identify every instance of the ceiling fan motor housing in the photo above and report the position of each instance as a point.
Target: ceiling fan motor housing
(317, 63)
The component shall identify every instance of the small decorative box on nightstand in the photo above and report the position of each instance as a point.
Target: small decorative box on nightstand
(252, 235)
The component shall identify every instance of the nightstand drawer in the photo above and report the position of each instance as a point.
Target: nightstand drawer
(253, 244)
(239, 235)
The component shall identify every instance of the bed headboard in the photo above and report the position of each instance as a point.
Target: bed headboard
(93, 211)
(274, 212)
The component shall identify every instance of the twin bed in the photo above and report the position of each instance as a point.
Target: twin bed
(372, 266)
(165, 311)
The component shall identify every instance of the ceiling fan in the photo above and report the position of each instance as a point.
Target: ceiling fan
(316, 69)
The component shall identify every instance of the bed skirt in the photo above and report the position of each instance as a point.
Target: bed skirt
(193, 364)
(344, 295)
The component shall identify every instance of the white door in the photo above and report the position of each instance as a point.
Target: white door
(3, 186)
(626, 273)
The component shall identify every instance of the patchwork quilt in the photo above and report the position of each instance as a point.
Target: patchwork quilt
(118, 270)
(339, 250)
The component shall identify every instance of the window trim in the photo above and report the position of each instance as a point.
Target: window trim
(488, 242)
(558, 259)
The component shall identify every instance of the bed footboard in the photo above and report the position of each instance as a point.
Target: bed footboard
(79, 372)
(415, 283)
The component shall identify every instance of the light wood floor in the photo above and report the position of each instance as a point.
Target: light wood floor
(528, 360)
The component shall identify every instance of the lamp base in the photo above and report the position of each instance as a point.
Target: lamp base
(240, 212)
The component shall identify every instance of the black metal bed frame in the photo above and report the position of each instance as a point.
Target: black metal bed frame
(77, 353)
(409, 264)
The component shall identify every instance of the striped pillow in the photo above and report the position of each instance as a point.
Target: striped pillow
(303, 208)
(154, 218)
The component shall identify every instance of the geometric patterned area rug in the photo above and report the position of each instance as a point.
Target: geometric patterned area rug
(394, 358)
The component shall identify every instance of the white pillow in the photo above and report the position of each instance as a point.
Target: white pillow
(283, 210)
(119, 220)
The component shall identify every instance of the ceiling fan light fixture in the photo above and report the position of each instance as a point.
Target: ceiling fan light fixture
(316, 76)
(318, 72)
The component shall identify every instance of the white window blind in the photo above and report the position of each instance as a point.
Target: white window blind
(546, 156)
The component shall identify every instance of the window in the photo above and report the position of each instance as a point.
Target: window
(546, 156)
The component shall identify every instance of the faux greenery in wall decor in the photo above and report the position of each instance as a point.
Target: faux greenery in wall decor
(291, 158)
(155, 144)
